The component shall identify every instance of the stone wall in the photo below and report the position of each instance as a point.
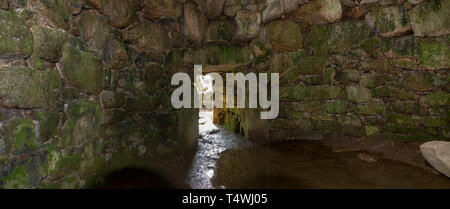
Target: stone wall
(85, 84)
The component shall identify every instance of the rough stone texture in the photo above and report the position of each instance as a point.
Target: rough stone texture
(119, 13)
(162, 9)
(284, 36)
(194, 23)
(389, 21)
(437, 153)
(21, 87)
(247, 23)
(48, 43)
(94, 29)
(211, 8)
(147, 37)
(85, 84)
(319, 12)
(431, 19)
(16, 40)
(337, 37)
(55, 10)
(82, 70)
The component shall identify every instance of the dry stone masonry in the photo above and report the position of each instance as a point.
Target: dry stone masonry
(85, 84)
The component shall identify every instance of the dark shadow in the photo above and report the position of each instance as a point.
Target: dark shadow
(135, 178)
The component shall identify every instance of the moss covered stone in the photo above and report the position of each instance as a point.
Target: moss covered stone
(119, 13)
(54, 10)
(337, 107)
(431, 19)
(434, 121)
(358, 94)
(16, 39)
(405, 107)
(389, 21)
(116, 54)
(378, 108)
(323, 92)
(82, 70)
(48, 43)
(435, 99)
(293, 93)
(371, 130)
(419, 81)
(223, 55)
(374, 80)
(337, 37)
(94, 29)
(222, 31)
(394, 92)
(284, 35)
(434, 54)
(83, 124)
(22, 87)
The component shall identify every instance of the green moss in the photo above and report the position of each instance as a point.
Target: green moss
(434, 54)
(323, 92)
(371, 109)
(17, 179)
(337, 107)
(16, 39)
(405, 107)
(371, 130)
(24, 134)
(292, 93)
(435, 99)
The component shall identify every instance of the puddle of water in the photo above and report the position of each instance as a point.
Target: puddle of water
(227, 160)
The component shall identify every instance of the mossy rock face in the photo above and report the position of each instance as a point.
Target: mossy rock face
(419, 81)
(116, 54)
(378, 108)
(119, 13)
(293, 93)
(404, 46)
(16, 39)
(22, 87)
(323, 92)
(389, 21)
(94, 29)
(337, 107)
(158, 9)
(148, 37)
(358, 94)
(434, 121)
(375, 80)
(48, 43)
(431, 19)
(337, 37)
(284, 35)
(435, 99)
(371, 130)
(222, 31)
(434, 54)
(223, 55)
(306, 106)
(82, 125)
(261, 50)
(20, 136)
(82, 70)
(313, 65)
(348, 76)
(54, 10)
(405, 107)
(393, 92)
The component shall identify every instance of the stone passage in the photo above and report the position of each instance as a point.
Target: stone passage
(85, 84)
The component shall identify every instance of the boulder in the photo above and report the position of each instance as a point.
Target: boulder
(82, 70)
(431, 19)
(16, 39)
(22, 87)
(162, 9)
(119, 13)
(147, 37)
(211, 8)
(94, 29)
(389, 21)
(48, 43)
(194, 23)
(276, 8)
(284, 35)
(319, 12)
(247, 24)
(437, 153)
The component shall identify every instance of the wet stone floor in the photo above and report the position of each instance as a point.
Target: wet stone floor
(227, 160)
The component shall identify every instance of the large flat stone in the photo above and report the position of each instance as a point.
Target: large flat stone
(431, 19)
(437, 153)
